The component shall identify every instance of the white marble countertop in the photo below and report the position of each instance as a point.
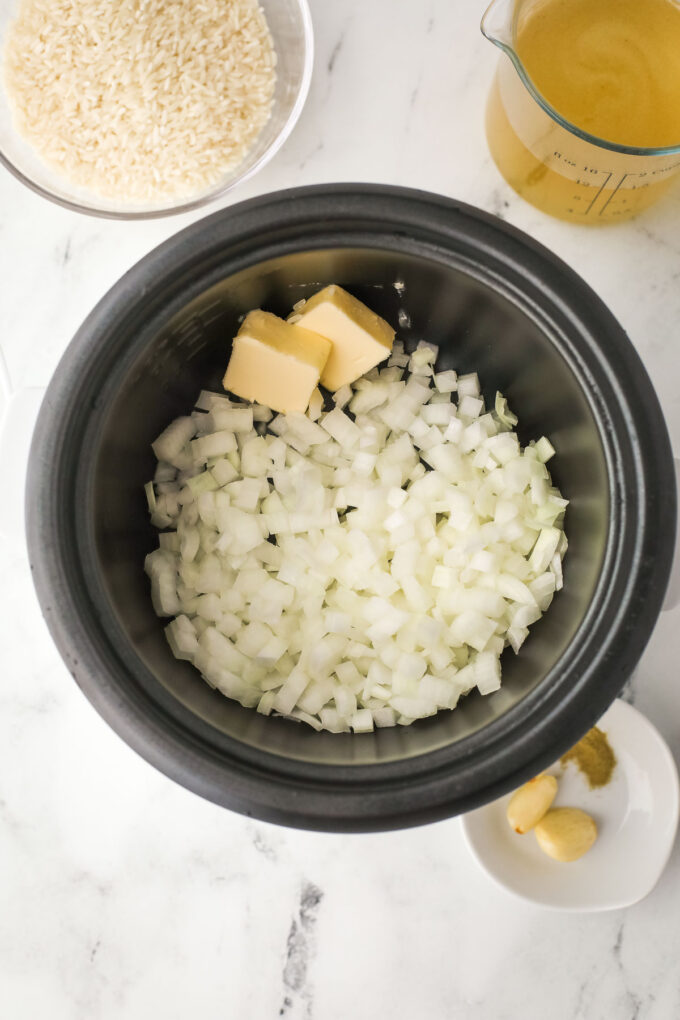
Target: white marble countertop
(125, 896)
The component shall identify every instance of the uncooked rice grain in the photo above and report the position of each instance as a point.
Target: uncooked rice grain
(140, 101)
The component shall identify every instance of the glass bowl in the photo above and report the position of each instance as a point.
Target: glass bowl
(290, 24)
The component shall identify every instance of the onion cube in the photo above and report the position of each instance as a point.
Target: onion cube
(330, 720)
(439, 414)
(469, 407)
(544, 449)
(255, 457)
(487, 672)
(446, 382)
(411, 667)
(556, 569)
(442, 577)
(454, 431)
(266, 702)
(472, 437)
(253, 637)
(233, 419)
(342, 396)
(471, 628)
(544, 550)
(182, 638)
(218, 444)
(223, 472)
(512, 588)
(270, 653)
(317, 694)
(340, 427)
(503, 448)
(300, 425)
(396, 497)
(174, 439)
(362, 721)
(517, 637)
(207, 401)
(315, 405)
(468, 385)
(364, 463)
(384, 717)
(287, 697)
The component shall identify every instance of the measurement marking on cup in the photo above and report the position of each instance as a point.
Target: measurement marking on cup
(600, 190)
(612, 194)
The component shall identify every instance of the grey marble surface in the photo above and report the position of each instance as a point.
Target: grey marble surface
(123, 895)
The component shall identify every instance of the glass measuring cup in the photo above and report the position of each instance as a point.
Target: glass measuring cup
(550, 162)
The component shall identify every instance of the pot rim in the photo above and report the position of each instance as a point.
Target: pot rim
(578, 688)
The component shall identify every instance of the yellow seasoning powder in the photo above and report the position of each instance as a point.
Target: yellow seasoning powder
(593, 755)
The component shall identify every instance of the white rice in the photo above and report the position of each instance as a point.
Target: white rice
(140, 100)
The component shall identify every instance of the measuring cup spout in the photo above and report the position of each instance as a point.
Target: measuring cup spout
(497, 24)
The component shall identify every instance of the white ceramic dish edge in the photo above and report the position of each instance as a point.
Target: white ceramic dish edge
(477, 822)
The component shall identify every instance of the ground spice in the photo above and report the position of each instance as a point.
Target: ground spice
(594, 757)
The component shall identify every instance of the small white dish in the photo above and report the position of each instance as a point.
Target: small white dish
(636, 815)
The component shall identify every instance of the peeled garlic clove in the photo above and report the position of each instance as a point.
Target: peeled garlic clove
(528, 804)
(566, 833)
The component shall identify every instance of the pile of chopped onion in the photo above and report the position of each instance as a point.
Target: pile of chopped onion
(355, 567)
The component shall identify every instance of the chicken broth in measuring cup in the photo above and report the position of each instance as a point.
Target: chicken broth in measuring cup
(584, 119)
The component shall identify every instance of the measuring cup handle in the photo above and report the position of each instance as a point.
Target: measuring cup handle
(18, 414)
(673, 592)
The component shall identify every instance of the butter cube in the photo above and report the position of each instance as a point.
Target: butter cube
(275, 363)
(360, 338)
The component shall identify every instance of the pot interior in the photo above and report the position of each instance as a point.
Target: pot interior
(479, 327)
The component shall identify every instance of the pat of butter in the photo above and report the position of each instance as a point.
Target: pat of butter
(360, 338)
(275, 363)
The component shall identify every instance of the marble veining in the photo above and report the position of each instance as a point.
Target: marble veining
(125, 896)
(300, 946)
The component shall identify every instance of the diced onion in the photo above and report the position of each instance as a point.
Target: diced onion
(361, 567)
